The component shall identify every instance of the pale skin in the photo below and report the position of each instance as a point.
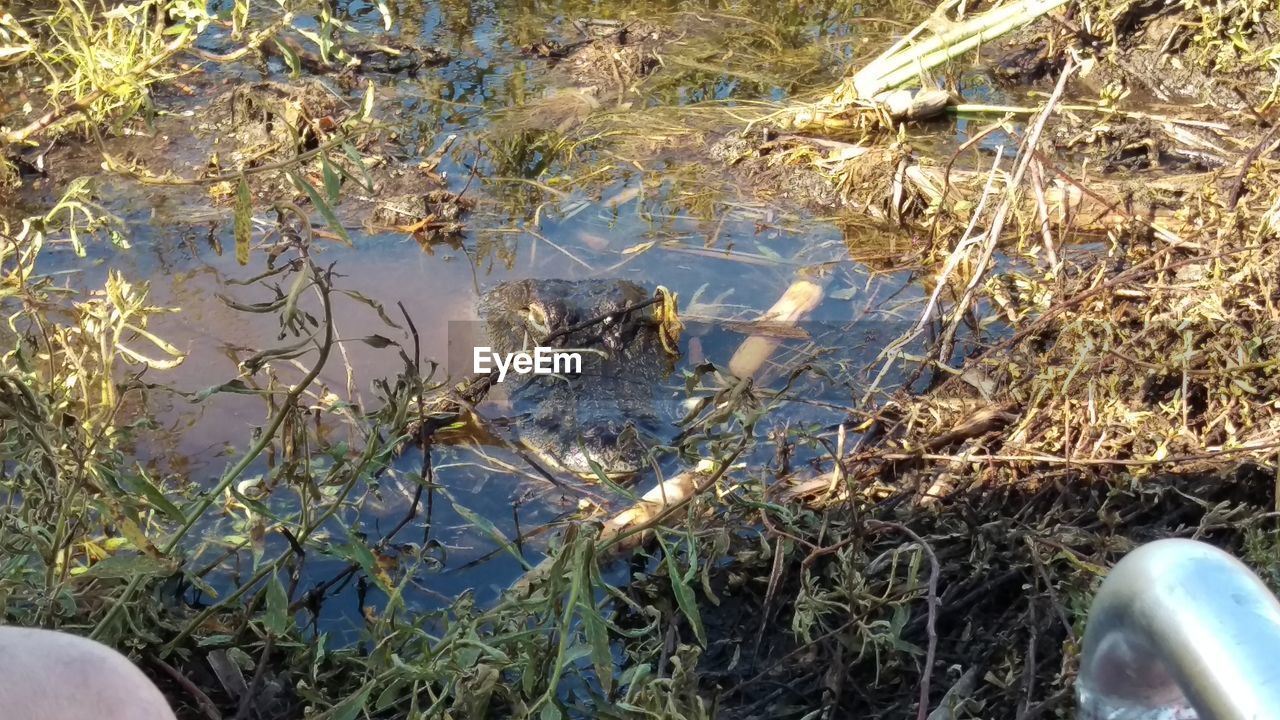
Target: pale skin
(47, 675)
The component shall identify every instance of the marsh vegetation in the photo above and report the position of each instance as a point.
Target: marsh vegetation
(955, 305)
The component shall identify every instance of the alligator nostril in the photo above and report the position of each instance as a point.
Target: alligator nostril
(606, 434)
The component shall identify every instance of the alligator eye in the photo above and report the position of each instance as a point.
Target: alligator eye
(604, 436)
(537, 317)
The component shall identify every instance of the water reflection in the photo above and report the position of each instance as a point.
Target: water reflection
(551, 204)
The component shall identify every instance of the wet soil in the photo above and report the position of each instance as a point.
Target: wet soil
(1157, 54)
(748, 157)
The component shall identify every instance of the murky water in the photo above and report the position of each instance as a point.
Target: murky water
(669, 222)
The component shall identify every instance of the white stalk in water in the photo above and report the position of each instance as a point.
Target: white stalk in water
(902, 64)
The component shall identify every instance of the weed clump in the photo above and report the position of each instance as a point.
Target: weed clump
(1111, 382)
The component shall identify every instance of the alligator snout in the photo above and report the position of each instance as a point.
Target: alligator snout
(616, 448)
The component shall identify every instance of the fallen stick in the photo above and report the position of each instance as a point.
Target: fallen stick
(876, 460)
(629, 529)
(1013, 197)
(1104, 204)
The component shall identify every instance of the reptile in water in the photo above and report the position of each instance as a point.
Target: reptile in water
(607, 414)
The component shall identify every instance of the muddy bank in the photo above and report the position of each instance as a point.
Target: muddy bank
(1162, 54)
(1137, 368)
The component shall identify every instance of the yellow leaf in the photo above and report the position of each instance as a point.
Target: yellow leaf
(157, 340)
(94, 551)
(152, 363)
(669, 324)
(635, 249)
(136, 536)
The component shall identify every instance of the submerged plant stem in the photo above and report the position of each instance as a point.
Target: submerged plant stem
(267, 436)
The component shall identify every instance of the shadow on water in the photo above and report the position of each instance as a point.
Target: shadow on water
(666, 218)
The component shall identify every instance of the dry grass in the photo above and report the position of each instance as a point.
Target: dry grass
(1078, 400)
(1107, 394)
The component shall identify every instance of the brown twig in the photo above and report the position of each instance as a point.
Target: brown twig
(207, 707)
(934, 605)
(947, 341)
(1237, 186)
(255, 684)
(1061, 611)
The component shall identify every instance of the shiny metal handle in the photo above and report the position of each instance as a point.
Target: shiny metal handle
(1181, 630)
